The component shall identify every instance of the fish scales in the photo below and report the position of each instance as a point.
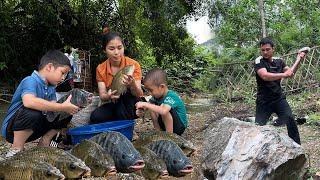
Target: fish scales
(82, 117)
(125, 156)
(98, 160)
(177, 163)
(69, 165)
(79, 98)
(146, 137)
(117, 79)
(155, 167)
(25, 170)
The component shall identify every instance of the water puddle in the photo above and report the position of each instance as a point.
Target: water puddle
(199, 105)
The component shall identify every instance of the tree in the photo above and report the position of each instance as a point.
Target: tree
(290, 23)
(263, 23)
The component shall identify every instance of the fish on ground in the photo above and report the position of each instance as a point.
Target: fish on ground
(125, 156)
(14, 169)
(80, 98)
(70, 166)
(146, 137)
(155, 167)
(177, 163)
(95, 157)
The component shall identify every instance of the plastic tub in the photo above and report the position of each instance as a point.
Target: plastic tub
(125, 127)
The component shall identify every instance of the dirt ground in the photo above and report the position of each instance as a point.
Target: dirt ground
(200, 120)
(201, 117)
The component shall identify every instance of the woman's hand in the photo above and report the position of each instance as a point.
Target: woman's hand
(128, 80)
(111, 95)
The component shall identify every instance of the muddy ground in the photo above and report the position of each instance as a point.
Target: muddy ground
(203, 110)
(201, 115)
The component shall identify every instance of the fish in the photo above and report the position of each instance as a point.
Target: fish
(126, 157)
(80, 98)
(155, 167)
(117, 80)
(68, 164)
(146, 137)
(177, 163)
(82, 117)
(13, 169)
(95, 157)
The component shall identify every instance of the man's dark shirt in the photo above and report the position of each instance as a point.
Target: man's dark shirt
(269, 90)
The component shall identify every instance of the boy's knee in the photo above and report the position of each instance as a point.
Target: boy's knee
(34, 114)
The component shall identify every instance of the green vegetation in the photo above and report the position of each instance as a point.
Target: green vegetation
(154, 33)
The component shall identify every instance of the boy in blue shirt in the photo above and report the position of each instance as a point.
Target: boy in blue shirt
(168, 111)
(26, 117)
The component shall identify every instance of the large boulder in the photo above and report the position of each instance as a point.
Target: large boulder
(239, 150)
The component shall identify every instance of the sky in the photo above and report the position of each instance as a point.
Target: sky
(199, 29)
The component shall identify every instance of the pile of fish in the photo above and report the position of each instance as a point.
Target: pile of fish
(125, 156)
(167, 147)
(43, 163)
(155, 155)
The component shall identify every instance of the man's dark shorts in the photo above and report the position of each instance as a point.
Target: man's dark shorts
(178, 126)
(26, 118)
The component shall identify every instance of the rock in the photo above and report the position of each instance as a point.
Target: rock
(251, 152)
(217, 136)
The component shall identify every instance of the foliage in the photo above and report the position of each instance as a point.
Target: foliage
(153, 32)
(291, 24)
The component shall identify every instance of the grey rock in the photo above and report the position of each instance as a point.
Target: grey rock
(251, 152)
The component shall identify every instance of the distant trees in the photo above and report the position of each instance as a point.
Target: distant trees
(239, 25)
(153, 32)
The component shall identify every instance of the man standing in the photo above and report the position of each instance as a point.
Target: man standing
(270, 98)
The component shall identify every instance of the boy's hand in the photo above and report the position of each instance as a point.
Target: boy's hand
(112, 96)
(141, 105)
(140, 112)
(68, 107)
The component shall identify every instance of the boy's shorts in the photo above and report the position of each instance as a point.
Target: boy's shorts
(178, 126)
(26, 118)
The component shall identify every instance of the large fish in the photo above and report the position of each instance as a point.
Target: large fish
(82, 117)
(155, 167)
(146, 137)
(80, 98)
(13, 169)
(125, 156)
(117, 79)
(68, 164)
(95, 157)
(177, 163)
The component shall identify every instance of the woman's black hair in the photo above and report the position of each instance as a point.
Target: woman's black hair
(107, 36)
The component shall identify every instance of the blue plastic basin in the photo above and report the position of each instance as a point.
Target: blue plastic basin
(85, 132)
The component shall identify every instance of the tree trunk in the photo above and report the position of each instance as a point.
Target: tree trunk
(262, 16)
